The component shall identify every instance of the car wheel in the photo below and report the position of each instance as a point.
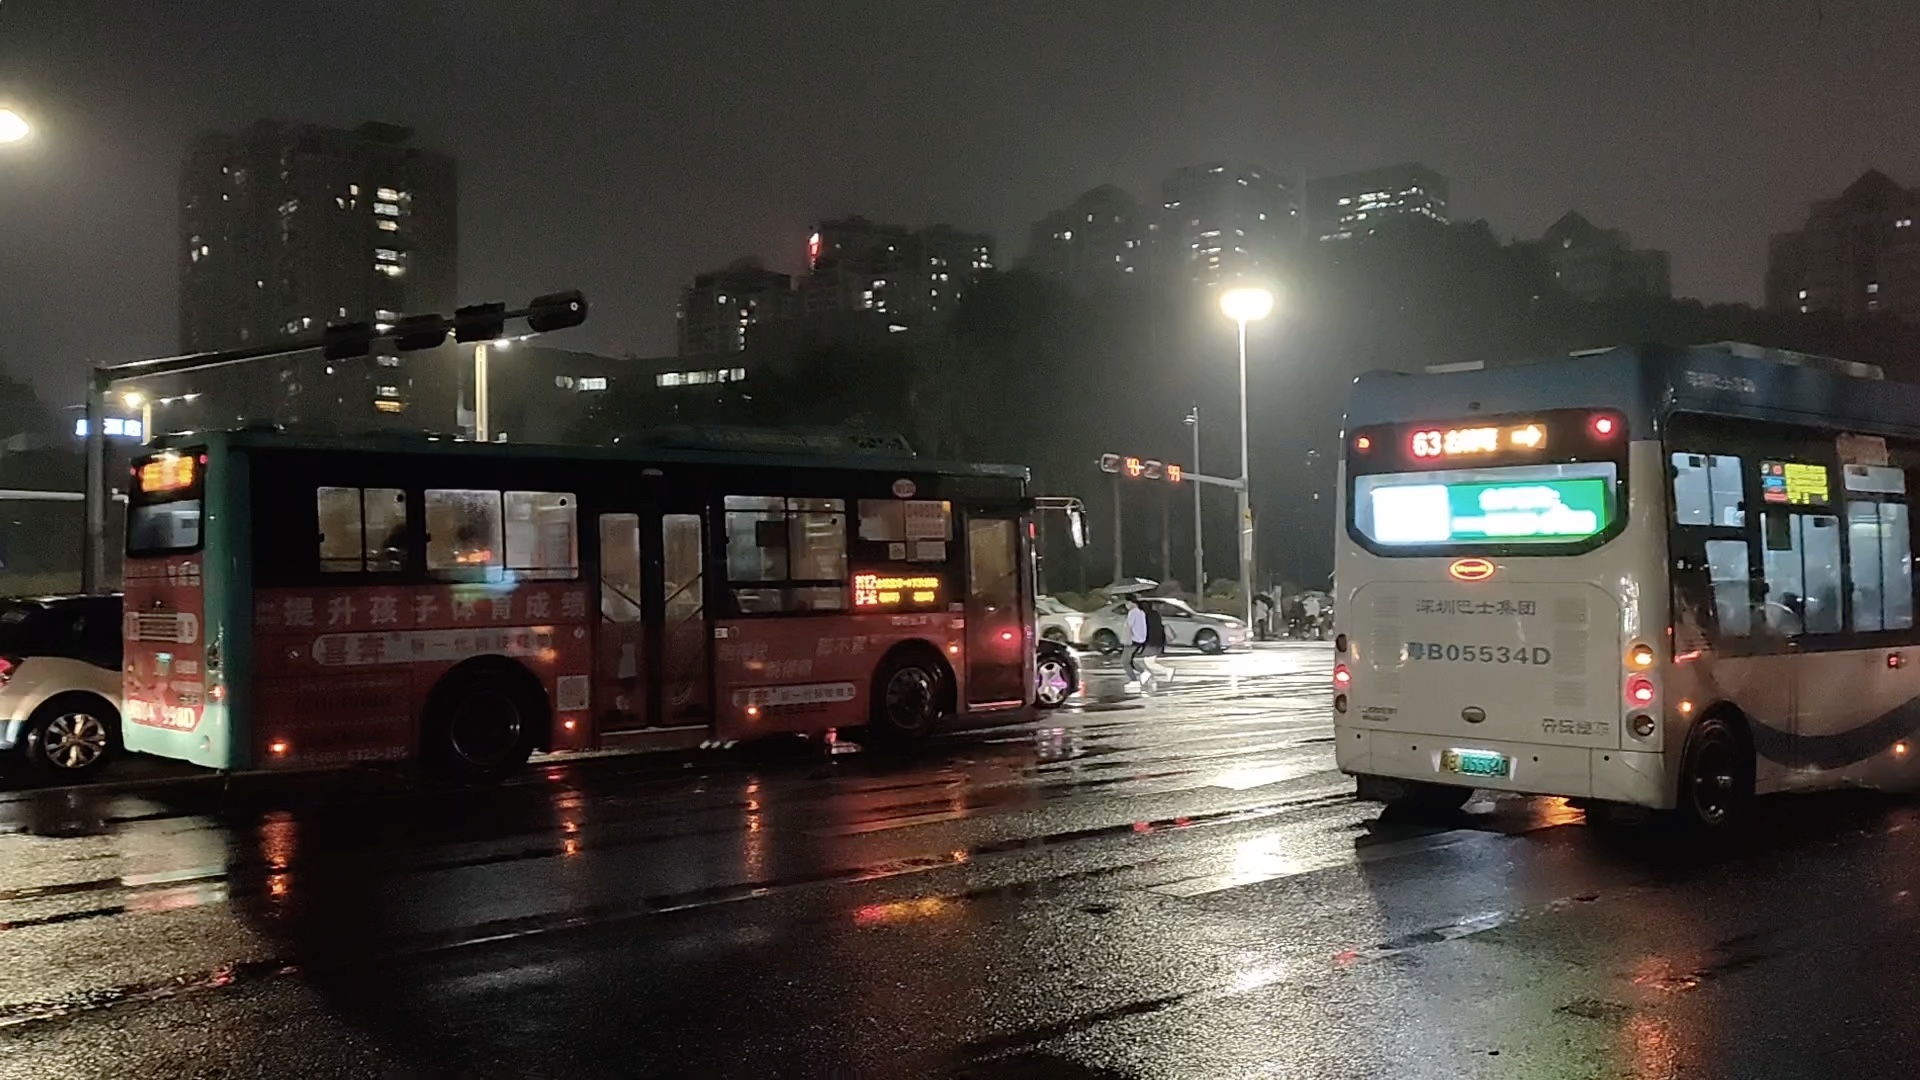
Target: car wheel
(1054, 633)
(1106, 641)
(1056, 678)
(72, 736)
(1208, 641)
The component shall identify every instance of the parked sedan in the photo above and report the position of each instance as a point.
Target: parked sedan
(1186, 628)
(60, 683)
(1058, 622)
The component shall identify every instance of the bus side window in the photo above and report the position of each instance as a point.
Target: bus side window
(463, 535)
(386, 529)
(1707, 491)
(1802, 573)
(1881, 568)
(1730, 578)
(542, 542)
(339, 517)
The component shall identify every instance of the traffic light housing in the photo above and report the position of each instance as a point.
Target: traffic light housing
(344, 341)
(556, 311)
(420, 332)
(480, 322)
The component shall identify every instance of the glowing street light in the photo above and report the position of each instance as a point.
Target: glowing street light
(1244, 305)
(13, 127)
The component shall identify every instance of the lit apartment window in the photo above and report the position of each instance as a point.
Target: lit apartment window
(386, 391)
(389, 225)
(1904, 223)
(1873, 288)
(1803, 294)
(386, 254)
(390, 269)
(387, 193)
(383, 315)
(670, 378)
(353, 189)
(386, 209)
(591, 382)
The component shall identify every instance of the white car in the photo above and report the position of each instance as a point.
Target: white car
(1058, 622)
(60, 683)
(1186, 628)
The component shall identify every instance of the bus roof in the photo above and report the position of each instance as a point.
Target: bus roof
(885, 459)
(1647, 383)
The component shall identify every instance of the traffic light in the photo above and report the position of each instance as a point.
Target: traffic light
(556, 311)
(1141, 468)
(420, 332)
(344, 341)
(481, 322)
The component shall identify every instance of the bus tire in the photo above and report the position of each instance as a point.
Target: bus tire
(483, 720)
(1411, 798)
(1715, 796)
(912, 693)
(71, 736)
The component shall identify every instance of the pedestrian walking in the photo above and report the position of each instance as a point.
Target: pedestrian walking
(1136, 642)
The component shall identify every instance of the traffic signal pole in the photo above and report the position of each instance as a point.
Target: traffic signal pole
(555, 311)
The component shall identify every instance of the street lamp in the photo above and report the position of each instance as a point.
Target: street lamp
(1245, 305)
(137, 400)
(13, 127)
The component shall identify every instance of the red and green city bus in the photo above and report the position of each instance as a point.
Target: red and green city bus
(294, 602)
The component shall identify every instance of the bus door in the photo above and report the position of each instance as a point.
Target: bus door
(999, 652)
(652, 663)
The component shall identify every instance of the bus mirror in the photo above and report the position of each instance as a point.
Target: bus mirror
(1077, 527)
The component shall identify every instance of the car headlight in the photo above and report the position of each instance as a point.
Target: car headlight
(1074, 623)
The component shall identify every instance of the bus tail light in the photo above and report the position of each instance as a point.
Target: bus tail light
(753, 712)
(1342, 677)
(1640, 690)
(279, 748)
(7, 664)
(1606, 425)
(1640, 656)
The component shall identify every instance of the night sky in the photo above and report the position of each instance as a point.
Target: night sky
(622, 146)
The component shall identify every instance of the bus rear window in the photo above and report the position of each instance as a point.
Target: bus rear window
(1510, 506)
(163, 527)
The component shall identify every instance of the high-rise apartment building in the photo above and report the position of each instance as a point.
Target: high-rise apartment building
(718, 310)
(854, 264)
(1098, 240)
(1357, 204)
(1858, 254)
(286, 228)
(1226, 221)
(1595, 264)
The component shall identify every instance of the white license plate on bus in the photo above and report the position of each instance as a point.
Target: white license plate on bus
(1476, 763)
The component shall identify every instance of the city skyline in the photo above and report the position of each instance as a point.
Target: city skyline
(626, 196)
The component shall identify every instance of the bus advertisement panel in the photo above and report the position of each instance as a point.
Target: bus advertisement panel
(303, 603)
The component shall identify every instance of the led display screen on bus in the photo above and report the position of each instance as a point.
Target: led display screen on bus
(1471, 507)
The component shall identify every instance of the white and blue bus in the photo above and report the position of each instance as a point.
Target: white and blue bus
(1667, 578)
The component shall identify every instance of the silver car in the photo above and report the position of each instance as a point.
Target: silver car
(60, 683)
(1106, 628)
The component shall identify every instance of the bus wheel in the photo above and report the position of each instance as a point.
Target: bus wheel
(1411, 798)
(482, 724)
(1716, 778)
(72, 736)
(910, 695)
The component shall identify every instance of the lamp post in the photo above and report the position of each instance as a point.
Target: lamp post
(1199, 546)
(1245, 305)
(137, 400)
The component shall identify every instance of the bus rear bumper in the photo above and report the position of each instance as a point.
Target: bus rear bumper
(1624, 776)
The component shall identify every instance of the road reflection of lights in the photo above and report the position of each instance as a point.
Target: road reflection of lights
(1247, 778)
(279, 843)
(902, 911)
(1654, 1049)
(1254, 978)
(1261, 857)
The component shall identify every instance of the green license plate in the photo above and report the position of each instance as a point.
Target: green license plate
(1476, 763)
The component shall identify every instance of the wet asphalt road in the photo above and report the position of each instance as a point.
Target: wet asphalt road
(1176, 888)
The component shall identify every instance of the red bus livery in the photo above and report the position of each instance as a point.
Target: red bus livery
(294, 602)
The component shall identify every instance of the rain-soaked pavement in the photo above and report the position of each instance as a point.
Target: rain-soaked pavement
(1177, 888)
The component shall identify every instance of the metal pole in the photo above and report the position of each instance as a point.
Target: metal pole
(146, 420)
(93, 537)
(1166, 537)
(1199, 545)
(480, 427)
(1246, 510)
(1117, 547)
